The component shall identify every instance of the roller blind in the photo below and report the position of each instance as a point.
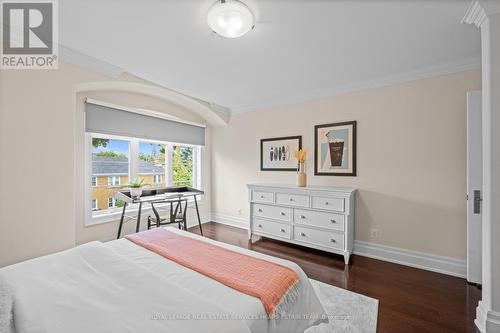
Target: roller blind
(108, 120)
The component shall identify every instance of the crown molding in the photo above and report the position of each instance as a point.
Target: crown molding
(78, 58)
(71, 56)
(478, 11)
(394, 79)
(223, 111)
(475, 14)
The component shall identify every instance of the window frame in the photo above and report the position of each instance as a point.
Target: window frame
(198, 179)
(157, 179)
(112, 183)
(96, 204)
(94, 181)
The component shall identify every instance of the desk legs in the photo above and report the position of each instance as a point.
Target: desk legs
(173, 215)
(121, 221)
(198, 213)
(138, 218)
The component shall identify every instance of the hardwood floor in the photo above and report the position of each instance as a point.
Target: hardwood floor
(410, 299)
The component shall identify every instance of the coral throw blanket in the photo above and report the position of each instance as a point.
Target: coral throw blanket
(273, 284)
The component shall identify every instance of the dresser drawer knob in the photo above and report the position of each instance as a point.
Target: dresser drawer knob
(282, 213)
(303, 217)
(303, 234)
(333, 221)
(327, 203)
(333, 240)
(282, 230)
(260, 210)
(260, 226)
(262, 197)
(291, 199)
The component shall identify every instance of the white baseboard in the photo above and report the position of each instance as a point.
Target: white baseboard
(238, 222)
(487, 320)
(430, 262)
(193, 220)
(426, 261)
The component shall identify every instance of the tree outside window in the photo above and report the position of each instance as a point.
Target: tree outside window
(182, 166)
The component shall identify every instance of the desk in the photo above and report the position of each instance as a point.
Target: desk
(171, 193)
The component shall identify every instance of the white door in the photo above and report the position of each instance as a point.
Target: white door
(474, 186)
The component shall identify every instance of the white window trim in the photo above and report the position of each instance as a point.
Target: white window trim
(198, 174)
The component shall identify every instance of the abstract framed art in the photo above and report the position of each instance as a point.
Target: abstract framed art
(335, 149)
(276, 154)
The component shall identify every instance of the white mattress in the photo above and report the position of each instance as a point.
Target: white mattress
(121, 287)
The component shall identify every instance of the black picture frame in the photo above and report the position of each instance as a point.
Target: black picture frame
(353, 172)
(277, 139)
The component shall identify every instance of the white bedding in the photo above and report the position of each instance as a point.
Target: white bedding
(121, 287)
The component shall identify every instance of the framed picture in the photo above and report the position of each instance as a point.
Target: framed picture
(335, 149)
(276, 154)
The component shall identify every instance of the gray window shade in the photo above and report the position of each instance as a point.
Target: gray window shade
(107, 120)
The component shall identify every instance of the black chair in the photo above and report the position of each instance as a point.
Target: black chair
(177, 215)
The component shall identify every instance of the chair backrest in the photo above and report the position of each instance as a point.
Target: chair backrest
(178, 208)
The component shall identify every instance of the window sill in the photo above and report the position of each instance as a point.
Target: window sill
(115, 216)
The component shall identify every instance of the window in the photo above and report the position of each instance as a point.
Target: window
(157, 179)
(152, 163)
(110, 169)
(113, 180)
(118, 160)
(182, 166)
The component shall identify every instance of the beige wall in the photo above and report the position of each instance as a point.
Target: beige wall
(36, 166)
(411, 159)
(41, 133)
(411, 155)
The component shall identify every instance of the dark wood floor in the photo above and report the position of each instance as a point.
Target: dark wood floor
(410, 299)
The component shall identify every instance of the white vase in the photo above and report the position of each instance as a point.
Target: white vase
(301, 175)
(135, 192)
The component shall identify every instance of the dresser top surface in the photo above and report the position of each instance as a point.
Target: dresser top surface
(307, 188)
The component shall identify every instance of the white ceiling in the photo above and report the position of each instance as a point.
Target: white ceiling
(298, 49)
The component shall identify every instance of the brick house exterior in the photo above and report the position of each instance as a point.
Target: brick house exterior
(110, 174)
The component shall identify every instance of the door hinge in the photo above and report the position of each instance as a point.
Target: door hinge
(477, 201)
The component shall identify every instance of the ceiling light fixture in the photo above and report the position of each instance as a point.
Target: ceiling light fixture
(230, 18)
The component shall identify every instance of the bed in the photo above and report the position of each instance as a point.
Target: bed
(119, 286)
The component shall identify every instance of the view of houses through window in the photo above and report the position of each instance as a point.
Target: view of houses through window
(110, 169)
(152, 164)
(115, 162)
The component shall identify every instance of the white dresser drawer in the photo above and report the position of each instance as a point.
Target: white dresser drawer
(318, 237)
(272, 212)
(262, 196)
(292, 199)
(336, 204)
(272, 228)
(319, 219)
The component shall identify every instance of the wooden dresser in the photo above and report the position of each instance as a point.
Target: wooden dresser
(319, 217)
